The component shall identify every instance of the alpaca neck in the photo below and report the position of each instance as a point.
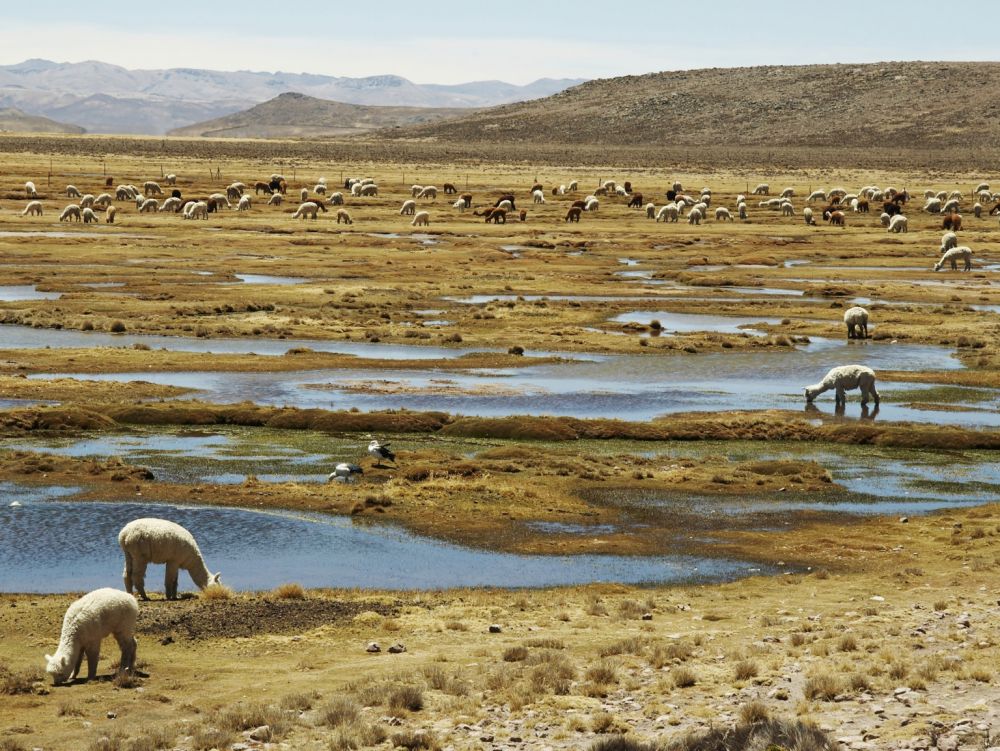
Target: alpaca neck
(199, 572)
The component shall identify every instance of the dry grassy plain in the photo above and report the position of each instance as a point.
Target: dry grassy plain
(881, 608)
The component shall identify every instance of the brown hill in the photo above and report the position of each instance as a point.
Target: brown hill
(292, 115)
(898, 104)
(16, 121)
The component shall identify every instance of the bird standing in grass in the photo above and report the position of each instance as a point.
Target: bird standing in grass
(345, 472)
(381, 451)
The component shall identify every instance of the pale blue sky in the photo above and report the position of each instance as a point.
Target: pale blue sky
(513, 41)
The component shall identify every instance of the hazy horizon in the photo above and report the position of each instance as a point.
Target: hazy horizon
(582, 39)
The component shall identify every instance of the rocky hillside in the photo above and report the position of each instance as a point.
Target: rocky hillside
(905, 105)
(293, 115)
(15, 121)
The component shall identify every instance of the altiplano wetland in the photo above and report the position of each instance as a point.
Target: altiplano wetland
(575, 401)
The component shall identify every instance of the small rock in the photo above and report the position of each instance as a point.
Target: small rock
(392, 721)
(486, 738)
(373, 647)
(647, 616)
(112, 715)
(516, 739)
(877, 598)
(262, 733)
(167, 640)
(239, 747)
(495, 628)
(396, 648)
(904, 520)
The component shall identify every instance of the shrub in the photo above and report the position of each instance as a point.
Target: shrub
(406, 697)
(746, 669)
(769, 734)
(290, 591)
(117, 327)
(753, 712)
(683, 677)
(216, 592)
(821, 686)
(515, 654)
(341, 710)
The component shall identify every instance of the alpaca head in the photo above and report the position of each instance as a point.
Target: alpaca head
(58, 667)
(811, 392)
(215, 578)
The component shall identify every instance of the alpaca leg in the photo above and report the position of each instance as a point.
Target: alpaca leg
(170, 581)
(127, 645)
(874, 393)
(841, 397)
(76, 664)
(93, 655)
(127, 575)
(139, 578)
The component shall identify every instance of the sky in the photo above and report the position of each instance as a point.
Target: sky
(514, 41)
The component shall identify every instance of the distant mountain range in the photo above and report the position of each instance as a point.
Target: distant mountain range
(13, 120)
(106, 98)
(292, 115)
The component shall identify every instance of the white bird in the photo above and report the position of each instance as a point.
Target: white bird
(15, 504)
(345, 472)
(381, 451)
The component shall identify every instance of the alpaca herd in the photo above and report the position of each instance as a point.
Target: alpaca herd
(694, 206)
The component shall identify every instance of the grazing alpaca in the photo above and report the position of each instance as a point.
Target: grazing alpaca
(244, 204)
(151, 188)
(34, 208)
(835, 218)
(428, 192)
(421, 218)
(72, 191)
(636, 201)
(109, 215)
(87, 621)
(952, 256)
(343, 216)
(449, 189)
(275, 199)
(29, 188)
(89, 217)
(952, 222)
(856, 319)
(262, 186)
(71, 212)
(146, 541)
(845, 378)
(573, 215)
(409, 208)
(467, 199)
(309, 209)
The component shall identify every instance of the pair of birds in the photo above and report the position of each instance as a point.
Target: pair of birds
(346, 471)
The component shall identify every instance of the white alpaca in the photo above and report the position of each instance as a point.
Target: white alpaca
(102, 201)
(303, 194)
(220, 198)
(122, 193)
(537, 196)
(762, 190)
(89, 217)
(694, 216)
(722, 214)
(845, 378)
(275, 200)
(109, 215)
(898, 224)
(409, 208)
(342, 215)
(505, 205)
(428, 192)
(196, 210)
(651, 210)
(933, 206)
(170, 179)
(459, 204)
(87, 621)
(415, 190)
(422, 218)
(245, 204)
(741, 209)
(817, 195)
(29, 188)
(149, 206)
(948, 241)
(952, 256)
(34, 208)
(787, 209)
(337, 199)
(950, 207)
(572, 187)
(667, 213)
(172, 205)
(592, 205)
(788, 193)
(72, 191)
(977, 210)
(856, 319)
(146, 541)
(371, 189)
(70, 212)
(320, 189)
(885, 219)
(807, 214)
(151, 188)
(308, 208)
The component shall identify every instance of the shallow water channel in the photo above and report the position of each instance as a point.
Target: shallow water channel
(260, 550)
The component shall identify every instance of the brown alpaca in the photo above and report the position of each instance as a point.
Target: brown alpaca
(863, 207)
(636, 202)
(495, 215)
(952, 222)
(523, 216)
(449, 189)
(579, 205)
(628, 187)
(573, 215)
(536, 186)
(467, 197)
(261, 186)
(835, 218)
